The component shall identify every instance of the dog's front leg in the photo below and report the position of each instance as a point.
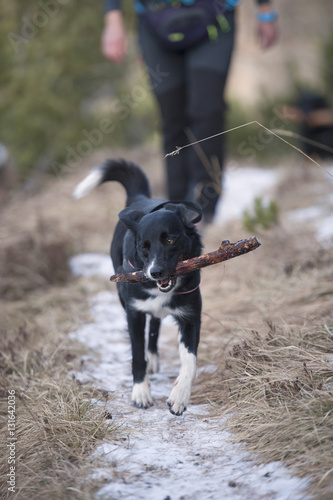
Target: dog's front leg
(152, 353)
(188, 344)
(141, 397)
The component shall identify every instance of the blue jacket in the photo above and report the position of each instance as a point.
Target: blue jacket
(116, 4)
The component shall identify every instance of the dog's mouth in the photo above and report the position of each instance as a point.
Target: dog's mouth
(166, 285)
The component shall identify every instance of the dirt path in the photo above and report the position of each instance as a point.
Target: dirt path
(163, 456)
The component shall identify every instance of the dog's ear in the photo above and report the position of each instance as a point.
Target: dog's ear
(130, 217)
(188, 212)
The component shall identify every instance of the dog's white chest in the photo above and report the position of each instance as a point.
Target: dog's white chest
(159, 307)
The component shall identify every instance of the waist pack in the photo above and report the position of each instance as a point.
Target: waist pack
(180, 25)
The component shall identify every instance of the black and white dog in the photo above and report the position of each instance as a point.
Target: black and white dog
(154, 235)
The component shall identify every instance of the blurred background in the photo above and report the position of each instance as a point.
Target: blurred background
(60, 99)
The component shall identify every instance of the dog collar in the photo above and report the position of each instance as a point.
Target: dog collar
(188, 291)
(130, 263)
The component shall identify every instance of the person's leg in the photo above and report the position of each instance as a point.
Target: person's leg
(207, 68)
(172, 107)
(189, 90)
(169, 90)
(205, 119)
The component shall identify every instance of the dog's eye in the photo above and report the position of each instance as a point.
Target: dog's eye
(166, 239)
(145, 246)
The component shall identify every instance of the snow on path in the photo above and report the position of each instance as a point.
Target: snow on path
(187, 457)
(240, 187)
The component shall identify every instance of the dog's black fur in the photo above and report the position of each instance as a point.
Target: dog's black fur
(154, 235)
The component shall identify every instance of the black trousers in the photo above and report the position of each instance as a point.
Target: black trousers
(189, 92)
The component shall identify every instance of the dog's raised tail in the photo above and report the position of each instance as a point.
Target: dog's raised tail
(127, 173)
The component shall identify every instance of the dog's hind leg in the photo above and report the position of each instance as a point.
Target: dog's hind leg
(152, 354)
(141, 397)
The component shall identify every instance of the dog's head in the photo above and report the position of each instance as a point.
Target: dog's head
(164, 237)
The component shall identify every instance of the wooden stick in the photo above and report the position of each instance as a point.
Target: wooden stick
(226, 251)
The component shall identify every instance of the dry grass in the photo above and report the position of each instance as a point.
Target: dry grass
(56, 425)
(280, 393)
(34, 261)
(268, 328)
(58, 422)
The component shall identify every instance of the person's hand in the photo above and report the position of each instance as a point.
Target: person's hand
(266, 34)
(114, 38)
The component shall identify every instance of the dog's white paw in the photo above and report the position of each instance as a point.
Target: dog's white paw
(152, 363)
(180, 396)
(141, 397)
(181, 392)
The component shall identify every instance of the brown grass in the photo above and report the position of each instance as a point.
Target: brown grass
(56, 424)
(279, 390)
(268, 329)
(36, 260)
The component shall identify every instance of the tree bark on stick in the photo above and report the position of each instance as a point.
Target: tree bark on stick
(226, 251)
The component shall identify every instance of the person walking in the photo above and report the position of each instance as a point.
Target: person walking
(191, 94)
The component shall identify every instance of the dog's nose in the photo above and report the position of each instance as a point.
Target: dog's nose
(157, 273)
